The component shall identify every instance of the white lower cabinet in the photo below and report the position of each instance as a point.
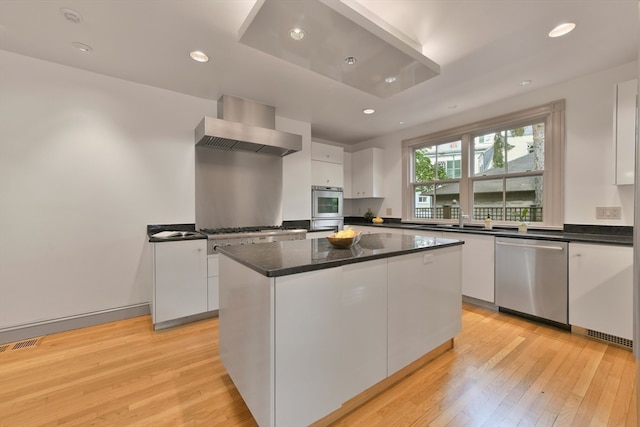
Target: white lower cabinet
(179, 279)
(601, 288)
(478, 258)
(213, 300)
(424, 304)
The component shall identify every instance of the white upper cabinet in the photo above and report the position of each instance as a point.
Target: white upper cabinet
(326, 153)
(326, 165)
(367, 173)
(625, 130)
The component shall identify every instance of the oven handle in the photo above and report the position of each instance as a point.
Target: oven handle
(522, 245)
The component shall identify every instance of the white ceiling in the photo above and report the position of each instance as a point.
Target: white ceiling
(485, 48)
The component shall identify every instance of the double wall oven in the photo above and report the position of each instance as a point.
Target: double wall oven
(327, 208)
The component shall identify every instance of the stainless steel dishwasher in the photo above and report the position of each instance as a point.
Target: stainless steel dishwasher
(532, 278)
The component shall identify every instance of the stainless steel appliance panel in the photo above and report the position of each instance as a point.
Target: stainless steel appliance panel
(531, 277)
(236, 189)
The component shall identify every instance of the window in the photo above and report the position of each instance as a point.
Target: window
(503, 168)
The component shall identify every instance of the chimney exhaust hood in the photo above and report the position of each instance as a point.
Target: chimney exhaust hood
(244, 125)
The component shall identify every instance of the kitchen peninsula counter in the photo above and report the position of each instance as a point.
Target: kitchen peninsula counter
(308, 332)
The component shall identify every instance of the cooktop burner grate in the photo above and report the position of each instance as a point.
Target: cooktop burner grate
(235, 230)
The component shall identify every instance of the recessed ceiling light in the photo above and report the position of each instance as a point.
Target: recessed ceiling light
(525, 83)
(297, 34)
(71, 15)
(196, 55)
(368, 111)
(82, 47)
(562, 29)
(390, 79)
(452, 106)
(402, 122)
(350, 60)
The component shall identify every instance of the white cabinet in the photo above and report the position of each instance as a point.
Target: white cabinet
(307, 346)
(478, 258)
(601, 288)
(179, 279)
(326, 165)
(367, 173)
(327, 174)
(327, 153)
(213, 300)
(625, 130)
(364, 326)
(424, 304)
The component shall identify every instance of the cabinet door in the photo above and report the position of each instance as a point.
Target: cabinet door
(213, 298)
(367, 172)
(308, 346)
(478, 258)
(625, 131)
(364, 326)
(601, 288)
(180, 279)
(326, 153)
(424, 304)
(327, 174)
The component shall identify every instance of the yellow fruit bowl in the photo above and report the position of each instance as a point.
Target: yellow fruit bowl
(344, 242)
(377, 220)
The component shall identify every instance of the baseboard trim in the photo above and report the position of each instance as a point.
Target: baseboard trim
(479, 303)
(38, 329)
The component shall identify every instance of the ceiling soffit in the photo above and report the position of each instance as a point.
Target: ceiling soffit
(385, 63)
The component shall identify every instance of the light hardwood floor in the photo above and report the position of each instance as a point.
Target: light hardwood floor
(503, 371)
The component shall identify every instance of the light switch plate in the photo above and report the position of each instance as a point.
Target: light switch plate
(389, 211)
(608, 212)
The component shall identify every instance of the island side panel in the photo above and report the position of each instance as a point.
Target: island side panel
(424, 303)
(308, 346)
(246, 322)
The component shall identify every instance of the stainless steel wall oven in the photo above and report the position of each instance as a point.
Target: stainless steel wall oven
(327, 207)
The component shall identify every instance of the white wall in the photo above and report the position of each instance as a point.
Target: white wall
(86, 162)
(590, 156)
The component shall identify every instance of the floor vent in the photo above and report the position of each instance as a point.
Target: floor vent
(25, 344)
(611, 339)
(4, 347)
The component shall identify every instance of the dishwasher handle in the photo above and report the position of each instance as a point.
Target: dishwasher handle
(524, 245)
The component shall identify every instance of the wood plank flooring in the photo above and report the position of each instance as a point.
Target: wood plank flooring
(503, 371)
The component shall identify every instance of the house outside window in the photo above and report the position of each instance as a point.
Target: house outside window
(507, 168)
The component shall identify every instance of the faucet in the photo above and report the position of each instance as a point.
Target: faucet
(462, 218)
(462, 215)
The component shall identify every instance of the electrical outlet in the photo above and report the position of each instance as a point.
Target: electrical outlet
(389, 212)
(608, 212)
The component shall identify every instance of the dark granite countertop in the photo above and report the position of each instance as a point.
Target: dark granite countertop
(183, 232)
(298, 256)
(611, 235)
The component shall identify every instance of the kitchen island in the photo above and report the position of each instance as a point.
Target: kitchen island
(309, 332)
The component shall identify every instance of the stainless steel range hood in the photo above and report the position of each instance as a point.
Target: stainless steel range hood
(244, 125)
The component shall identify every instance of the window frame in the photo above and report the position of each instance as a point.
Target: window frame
(553, 116)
